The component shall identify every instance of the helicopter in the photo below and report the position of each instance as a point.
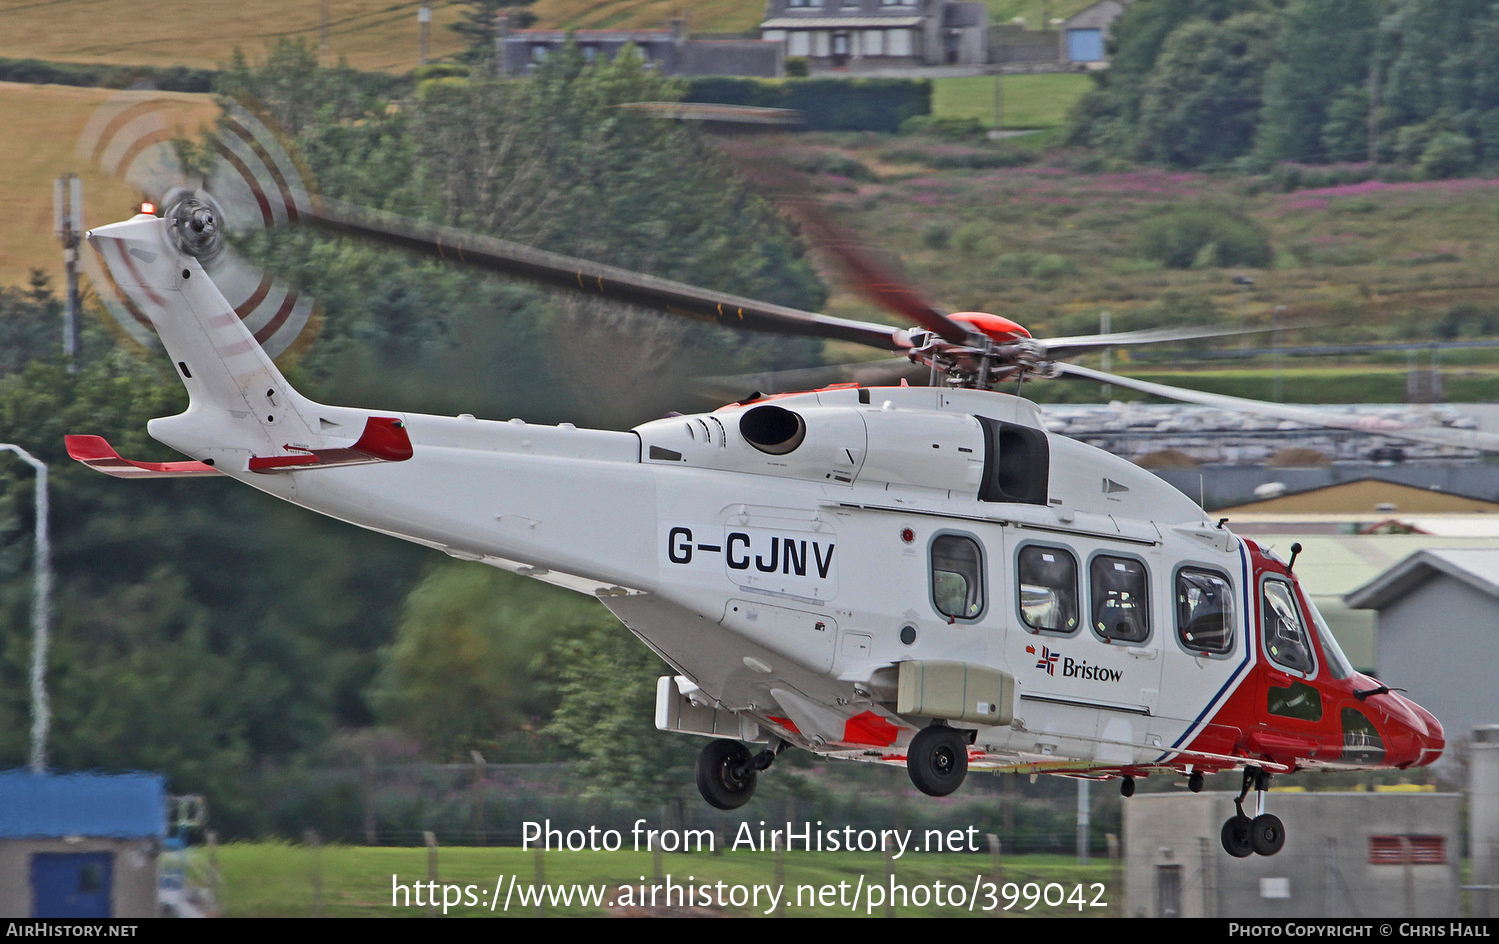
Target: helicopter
(917, 576)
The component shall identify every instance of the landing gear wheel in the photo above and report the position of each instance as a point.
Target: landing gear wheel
(1237, 837)
(1267, 834)
(1194, 781)
(937, 760)
(1127, 787)
(725, 776)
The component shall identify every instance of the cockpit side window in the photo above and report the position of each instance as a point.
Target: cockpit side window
(1047, 578)
(957, 577)
(1120, 597)
(1285, 634)
(1204, 610)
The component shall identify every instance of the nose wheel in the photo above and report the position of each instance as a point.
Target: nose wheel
(1263, 834)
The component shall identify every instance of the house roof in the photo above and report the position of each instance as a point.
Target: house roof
(1476, 567)
(119, 806)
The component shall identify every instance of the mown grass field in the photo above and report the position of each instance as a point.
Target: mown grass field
(280, 880)
(368, 34)
(42, 127)
(1025, 101)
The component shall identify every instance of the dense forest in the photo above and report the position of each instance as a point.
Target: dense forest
(1247, 83)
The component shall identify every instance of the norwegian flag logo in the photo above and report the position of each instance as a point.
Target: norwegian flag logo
(1048, 660)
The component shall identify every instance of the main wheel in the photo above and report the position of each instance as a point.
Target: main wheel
(1267, 834)
(937, 760)
(1237, 839)
(724, 776)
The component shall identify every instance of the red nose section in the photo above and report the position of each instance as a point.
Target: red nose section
(1435, 739)
(1414, 737)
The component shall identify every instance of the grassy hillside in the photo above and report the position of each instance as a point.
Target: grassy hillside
(702, 16)
(42, 125)
(1026, 101)
(369, 34)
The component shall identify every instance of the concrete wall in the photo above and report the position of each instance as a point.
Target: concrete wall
(1483, 819)
(1009, 43)
(1323, 871)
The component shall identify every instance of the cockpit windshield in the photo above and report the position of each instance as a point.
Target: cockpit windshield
(1337, 662)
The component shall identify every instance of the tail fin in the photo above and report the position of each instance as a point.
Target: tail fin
(240, 407)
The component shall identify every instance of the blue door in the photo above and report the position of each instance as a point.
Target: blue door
(71, 885)
(1085, 45)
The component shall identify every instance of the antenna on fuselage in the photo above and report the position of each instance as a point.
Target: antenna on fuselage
(1295, 550)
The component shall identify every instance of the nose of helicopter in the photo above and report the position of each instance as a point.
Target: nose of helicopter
(1415, 737)
(1433, 741)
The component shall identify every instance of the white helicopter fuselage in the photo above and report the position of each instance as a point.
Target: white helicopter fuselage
(838, 570)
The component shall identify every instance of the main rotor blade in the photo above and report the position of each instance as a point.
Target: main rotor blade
(1077, 344)
(762, 161)
(592, 278)
(887, 372)
(875, 279)
(1311, 416)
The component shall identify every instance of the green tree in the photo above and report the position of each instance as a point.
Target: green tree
(1205, 234)
(1321, 65)
(477, 25)
(201, 629)
(473, 660)
(605, 719)
(1448, 155)
(1108, 116)
(1201, 102)
(1345, 133)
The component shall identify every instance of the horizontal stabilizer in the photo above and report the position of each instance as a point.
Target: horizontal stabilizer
(96, 453)
(384, 440)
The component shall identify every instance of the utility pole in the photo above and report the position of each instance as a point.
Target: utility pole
(67, 216)
(1082, 822)
(322, 36)
(1275, 345)
(41, 615)
(1106, 327)
(999, 104)
(424, 23)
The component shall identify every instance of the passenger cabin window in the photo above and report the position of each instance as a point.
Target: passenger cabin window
(1204, 611)
(1048, 589)
(957, 577)
(1120, 597)
(1285, 634)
